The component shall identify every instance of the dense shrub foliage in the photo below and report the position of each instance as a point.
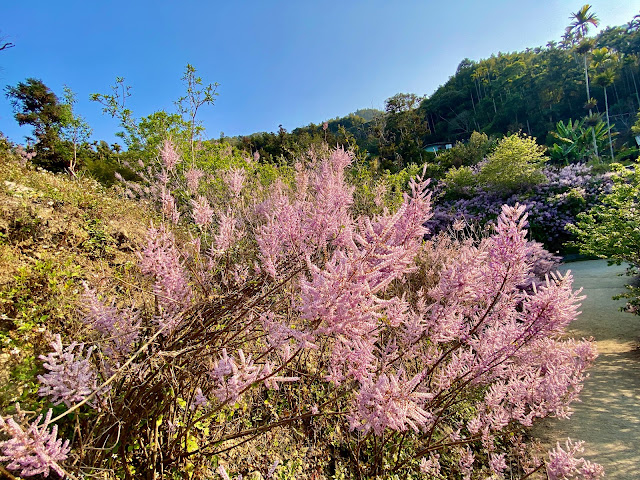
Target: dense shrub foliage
(610, 228)
(283, 308)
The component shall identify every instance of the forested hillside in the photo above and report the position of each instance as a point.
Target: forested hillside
(533, 90)
(529, 91)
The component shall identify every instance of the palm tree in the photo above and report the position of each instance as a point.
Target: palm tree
(634, 24)
(603, 62)
(581, 21)
(578, 30)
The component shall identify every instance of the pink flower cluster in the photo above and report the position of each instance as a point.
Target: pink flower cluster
(193, 176)
(317, 216)
(120, 329)
(407, 330)
(170, 157)
(233, 377)
(70, 377)
(235, 179)
(564, 465)
(162, 259)
(35, 451)
(391, 402)
(202, 212)
(476, 328)
(228, 232)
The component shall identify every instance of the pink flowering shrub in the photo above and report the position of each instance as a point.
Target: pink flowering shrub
(411, 355)
(119, 329)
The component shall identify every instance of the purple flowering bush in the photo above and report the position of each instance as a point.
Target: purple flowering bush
(551, 204)
(285, 315)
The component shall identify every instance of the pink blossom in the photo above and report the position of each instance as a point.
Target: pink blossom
(193, 176)
(223, 472)
(235, 179)
(563, 464)
(199, 399)
(121, 328)
(161, 259)
(35, 451)
(497, 463)
(432, 466)
(70, 376)
(169, 155)
(466, 463)
(25, 156)
(390, 402)
(228, 233)
(233, 377)
(309, 221)
(202, 212)
(169, 207)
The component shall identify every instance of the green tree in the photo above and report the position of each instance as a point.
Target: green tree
(610, 229)
(572, 141)
(75, 129)
(582, 19)
(196, 96)
(115, 105)
(143, 137)
(401, 131)
(467, 153)
(35, 104)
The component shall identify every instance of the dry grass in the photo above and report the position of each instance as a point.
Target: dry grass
(55, 233)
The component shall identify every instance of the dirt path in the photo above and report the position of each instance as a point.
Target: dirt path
(608, 419)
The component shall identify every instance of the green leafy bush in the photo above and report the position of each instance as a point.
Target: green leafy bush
(467, 154)
(611, 229)
(514, 165)
(460, 181)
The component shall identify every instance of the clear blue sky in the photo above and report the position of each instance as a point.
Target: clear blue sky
(277, 62)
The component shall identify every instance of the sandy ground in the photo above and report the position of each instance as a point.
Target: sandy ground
(608, 418)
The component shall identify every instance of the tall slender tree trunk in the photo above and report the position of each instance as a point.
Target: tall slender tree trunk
(633, 77)
(606, 106)
(586, 79)
(593, 132)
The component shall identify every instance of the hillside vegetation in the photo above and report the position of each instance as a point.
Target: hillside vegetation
(55, 234)
(276, 323)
